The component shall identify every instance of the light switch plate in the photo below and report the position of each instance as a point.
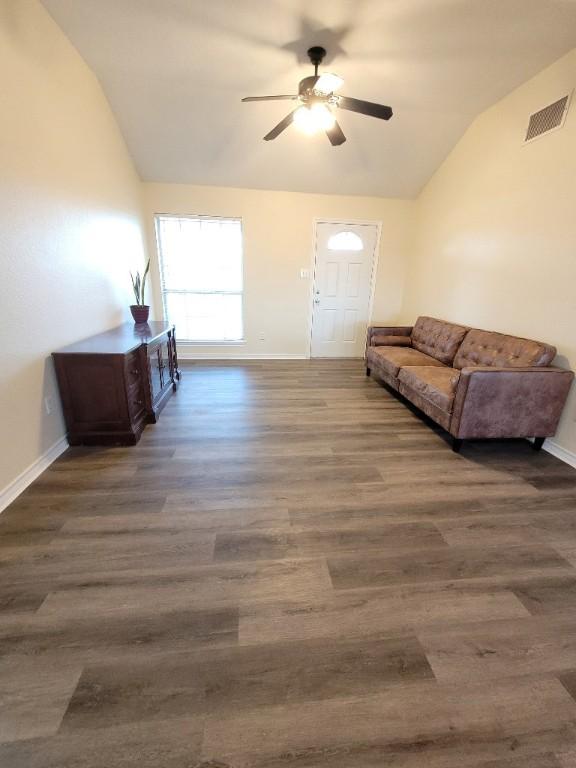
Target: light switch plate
(304, 273)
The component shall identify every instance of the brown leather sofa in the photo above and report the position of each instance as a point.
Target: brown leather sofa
(474, 383)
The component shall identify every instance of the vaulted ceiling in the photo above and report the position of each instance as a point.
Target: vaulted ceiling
(174, 72)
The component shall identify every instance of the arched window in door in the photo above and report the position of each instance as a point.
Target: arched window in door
(345, 241)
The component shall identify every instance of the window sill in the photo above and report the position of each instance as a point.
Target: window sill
(184, 343)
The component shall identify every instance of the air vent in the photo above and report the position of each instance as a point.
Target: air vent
(547, 119)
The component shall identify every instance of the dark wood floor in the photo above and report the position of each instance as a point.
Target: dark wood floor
(291, 570)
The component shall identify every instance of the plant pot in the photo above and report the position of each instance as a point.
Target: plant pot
(140, 313)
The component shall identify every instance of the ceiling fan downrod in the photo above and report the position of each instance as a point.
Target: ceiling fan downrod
(316, 55)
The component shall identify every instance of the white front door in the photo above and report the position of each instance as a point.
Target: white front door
(342, 281)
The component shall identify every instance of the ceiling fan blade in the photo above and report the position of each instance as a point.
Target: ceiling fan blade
(365, 107)
(269, 98)
(282, 125)
(336, 135)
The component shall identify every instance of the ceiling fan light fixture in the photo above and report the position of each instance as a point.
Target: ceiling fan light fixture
(313, 119)
(317, 100)
(328, 83)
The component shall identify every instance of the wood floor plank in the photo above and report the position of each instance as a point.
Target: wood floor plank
(121, 633)
(174, 743)
(180, 517)
(558, 529)
(356, 512)
(34, 695)
(548, 595)
(396, 721)
(372, 612)
(223, 681)
(202, 586)
(112, 552)
(270, 545)
(440, 564)
(494, 649)
(567, 758)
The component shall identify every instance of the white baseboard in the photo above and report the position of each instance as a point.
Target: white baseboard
(233, 356)
(569, 457)
(30, 474)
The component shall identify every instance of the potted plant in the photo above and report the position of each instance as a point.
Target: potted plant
(140, 311)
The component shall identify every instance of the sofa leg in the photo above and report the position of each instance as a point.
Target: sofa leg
(367, 371)
(456, 444)
(538, 443)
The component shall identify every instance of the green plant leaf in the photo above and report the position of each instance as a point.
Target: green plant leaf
(139, 284)
(145, 275)
(135, 280)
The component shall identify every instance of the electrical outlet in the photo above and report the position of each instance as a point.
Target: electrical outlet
(48, 404)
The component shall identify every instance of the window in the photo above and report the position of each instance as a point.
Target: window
(345, 241)
(201, 276)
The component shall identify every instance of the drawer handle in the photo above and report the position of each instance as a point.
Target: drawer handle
(135, 371)
(138, 402)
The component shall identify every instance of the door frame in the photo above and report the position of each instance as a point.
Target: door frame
(313, 260)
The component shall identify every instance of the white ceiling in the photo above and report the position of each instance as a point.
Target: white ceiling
(175, 71)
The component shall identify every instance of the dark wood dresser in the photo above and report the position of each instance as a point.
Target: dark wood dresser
(113, 384)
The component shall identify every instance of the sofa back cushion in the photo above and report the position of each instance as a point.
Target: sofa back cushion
(437, 338)
(501, 351)
(379, 340)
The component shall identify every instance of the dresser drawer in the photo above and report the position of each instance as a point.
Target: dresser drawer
(133, 368)
(136, 402)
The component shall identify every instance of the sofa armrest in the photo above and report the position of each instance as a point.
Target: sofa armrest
(509, 402)
(403, 331)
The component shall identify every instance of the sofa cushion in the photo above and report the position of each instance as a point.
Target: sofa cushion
(391, 359)
(391, 341)
(437, 338)
(427, 407)
(438, 385)
(498, 349)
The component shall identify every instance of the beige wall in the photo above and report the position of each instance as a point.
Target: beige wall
(496, 228)
(70, 222)
(278, 243)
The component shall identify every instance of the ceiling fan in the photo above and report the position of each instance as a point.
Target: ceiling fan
(317, 100)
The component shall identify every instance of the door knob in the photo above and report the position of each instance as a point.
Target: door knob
(316, 301)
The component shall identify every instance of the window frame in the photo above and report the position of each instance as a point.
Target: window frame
(163, 291)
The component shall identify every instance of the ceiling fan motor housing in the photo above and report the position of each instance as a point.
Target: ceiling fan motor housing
(316, 54)
(306, 85)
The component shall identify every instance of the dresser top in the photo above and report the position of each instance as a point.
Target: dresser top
(118, 341)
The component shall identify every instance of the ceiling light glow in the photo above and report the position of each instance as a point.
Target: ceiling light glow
(328, 83)
(313, 119)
